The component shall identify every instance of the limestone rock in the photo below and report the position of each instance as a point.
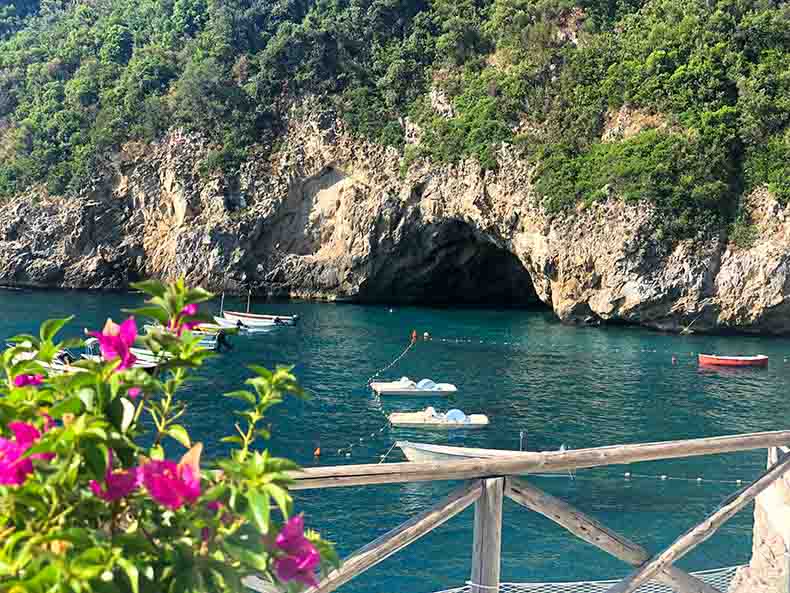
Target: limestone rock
(331, 216)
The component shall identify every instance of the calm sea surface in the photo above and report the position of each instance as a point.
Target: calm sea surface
(580, 387)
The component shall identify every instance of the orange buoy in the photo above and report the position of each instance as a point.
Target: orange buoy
(317, 452)
(413, 336)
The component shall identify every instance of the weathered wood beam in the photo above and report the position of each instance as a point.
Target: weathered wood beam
(525, 463)
(400, 537)
(591, 531)
(698, 534)
(486, 551)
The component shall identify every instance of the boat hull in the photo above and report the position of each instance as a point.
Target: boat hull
(733, 361)
(422, 452)
(254, 320)
(440, 425)
(400, 389)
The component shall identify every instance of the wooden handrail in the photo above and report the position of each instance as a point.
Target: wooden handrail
(526, 463)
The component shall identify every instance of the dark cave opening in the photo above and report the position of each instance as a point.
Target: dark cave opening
(453, 264)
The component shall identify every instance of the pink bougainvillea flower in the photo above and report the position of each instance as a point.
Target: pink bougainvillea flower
(134, 392)
(49, 423)
(28, 380)
(301, 557)
(116, 340)
(117, 483)
(14, 469)
(178, 323)
(174, 484)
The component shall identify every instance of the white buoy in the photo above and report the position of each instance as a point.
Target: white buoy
(664, 477)
(627, 475)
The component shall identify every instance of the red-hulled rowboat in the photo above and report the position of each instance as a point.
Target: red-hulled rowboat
(733, 361)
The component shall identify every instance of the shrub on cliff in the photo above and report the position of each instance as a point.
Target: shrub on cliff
(94, 496)
(77, 79)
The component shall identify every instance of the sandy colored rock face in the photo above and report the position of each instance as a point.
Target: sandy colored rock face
(331, 216)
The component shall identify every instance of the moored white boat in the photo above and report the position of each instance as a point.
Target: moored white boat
(405, 386)
(426, 452)
(431, 419)
(242, 327)
(255, 320)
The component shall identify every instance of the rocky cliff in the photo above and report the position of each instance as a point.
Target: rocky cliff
(329, 216)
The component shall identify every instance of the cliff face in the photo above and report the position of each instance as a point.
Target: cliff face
(331, 216)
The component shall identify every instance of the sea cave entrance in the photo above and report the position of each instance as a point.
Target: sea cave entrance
(453, 264)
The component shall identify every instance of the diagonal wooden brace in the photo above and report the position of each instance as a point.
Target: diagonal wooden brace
(400, 537)
(695, 536)
(591, 531)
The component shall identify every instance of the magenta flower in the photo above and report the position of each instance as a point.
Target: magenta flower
(14, 469)
(49, 423)
(301, 557)
(117, 483)
(178, 323)
(174, 484)
(116, 340)
(133, 392)
(28, 380)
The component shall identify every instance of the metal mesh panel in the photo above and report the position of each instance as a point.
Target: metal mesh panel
(720, 578)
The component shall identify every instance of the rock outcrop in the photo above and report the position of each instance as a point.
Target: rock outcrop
(331, 216)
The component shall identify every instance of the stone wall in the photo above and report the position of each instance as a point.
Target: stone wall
(767, 572)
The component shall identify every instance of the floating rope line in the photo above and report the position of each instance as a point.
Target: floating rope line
(348, 450)
(393, 363)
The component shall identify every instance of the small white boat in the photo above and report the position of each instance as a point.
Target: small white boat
(253, 320)
(242, 327)
(427, 452)
(405, 386)
(430, 418)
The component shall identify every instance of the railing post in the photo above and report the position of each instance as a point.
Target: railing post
(488, 537)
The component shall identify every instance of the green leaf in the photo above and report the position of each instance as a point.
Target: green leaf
(151, 287)
(233, 439)
(259, 510)
(281, 497)
(197, 295)
(153, 312)
(157, 453)
(87, 395)
(245, 396)
(96, 457)
(52, 326)
(131, 573)
(180, 434)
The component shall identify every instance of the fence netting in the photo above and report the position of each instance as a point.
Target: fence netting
(720, 578)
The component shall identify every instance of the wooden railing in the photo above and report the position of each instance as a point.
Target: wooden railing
(489, 481)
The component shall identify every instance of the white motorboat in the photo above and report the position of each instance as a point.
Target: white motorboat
(427, 452)
(430, 418)
(405, 386)
(254, 320)
(242, 327)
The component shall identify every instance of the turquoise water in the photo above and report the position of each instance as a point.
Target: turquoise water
(578, 386)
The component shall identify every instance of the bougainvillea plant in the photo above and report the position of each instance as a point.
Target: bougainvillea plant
(96, 497)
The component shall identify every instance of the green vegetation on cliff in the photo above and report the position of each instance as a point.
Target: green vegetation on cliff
(701, 89)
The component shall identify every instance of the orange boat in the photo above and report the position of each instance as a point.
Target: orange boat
(733, 361)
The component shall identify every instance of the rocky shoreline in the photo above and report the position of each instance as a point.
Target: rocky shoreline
(329, 216)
